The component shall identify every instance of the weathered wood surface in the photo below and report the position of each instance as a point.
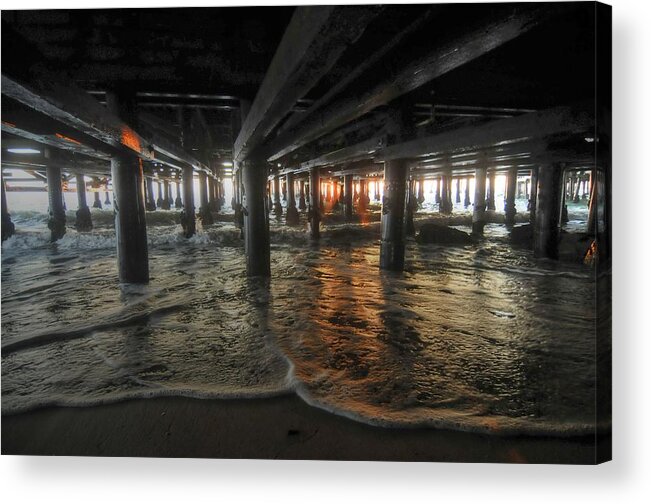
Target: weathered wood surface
(563, 120)
(357, 72)
(517, 140)
(313, 42)
(54, 141)
(72, 106)
(350, 105)
(63, 101)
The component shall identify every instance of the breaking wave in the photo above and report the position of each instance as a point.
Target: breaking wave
(480, 338)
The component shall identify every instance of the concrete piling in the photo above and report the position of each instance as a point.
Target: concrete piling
(439, 186)
(593, 207)
(533, 195)
(479, 208)
(466, 194)
(166, 195)
(130, 223)
(150, 200)
(364, 199)
(445, 205)
(278, 208)
(421, 191)
(509, 200)
(564, 196)
(576, 196)
(490, 192)
(160, 202)
(411, 208)
(57, 215)
(348, 197)
(178, 202)
(301, 200)
(291, 217)
(188, 220)
(392, 245)
(212, 194)
(83, 221)
(8, 227)
(256, 219)
(129, 201)
(548, 211)
(97, 202)
(314, 211)
(205, 215)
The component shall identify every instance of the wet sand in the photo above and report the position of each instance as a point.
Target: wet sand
(276, 428)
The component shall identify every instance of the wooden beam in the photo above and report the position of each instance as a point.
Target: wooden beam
(357, 72)
(73, 107)
(564, 120)
(521, 135)
(64, 102)
(363, 150)
(313, 42)
(168, 153)
(461, 50)
(59, 141)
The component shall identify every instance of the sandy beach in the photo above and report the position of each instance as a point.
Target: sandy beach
(277, 428)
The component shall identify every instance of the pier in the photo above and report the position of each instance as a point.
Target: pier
(358, 132)
(289, 148)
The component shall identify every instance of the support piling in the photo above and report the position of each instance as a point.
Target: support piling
(392, 245)
(533, 195)
(256, 219)
(490, 192)
(548, 211)
(57, 215)
(466, 194)
(205, 215)
(348, 197)
(8, 227)
(150, 200)
(83, 221)
(166, 195)
(509, 201)
(178, 202)
(479, 209)
(301, 200)
(291, 217)
(278, 208)
(188, 219)
(314, 212)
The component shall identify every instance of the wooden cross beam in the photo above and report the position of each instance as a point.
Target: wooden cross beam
(524, 134)
(313, 42)
(58, 99)
(459, 51)
(565, 120)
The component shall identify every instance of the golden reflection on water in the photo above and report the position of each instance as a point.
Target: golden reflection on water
(450, 341)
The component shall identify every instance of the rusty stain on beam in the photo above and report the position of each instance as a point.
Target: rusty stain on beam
(77, 109)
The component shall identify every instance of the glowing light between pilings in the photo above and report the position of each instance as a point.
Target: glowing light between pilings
(18, 150)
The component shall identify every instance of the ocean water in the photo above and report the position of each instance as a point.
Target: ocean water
(482, 338)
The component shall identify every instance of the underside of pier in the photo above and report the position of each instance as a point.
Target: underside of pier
(344, 97)
(312, 115)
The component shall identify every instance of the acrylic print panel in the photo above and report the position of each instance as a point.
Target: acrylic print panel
(375, 232)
